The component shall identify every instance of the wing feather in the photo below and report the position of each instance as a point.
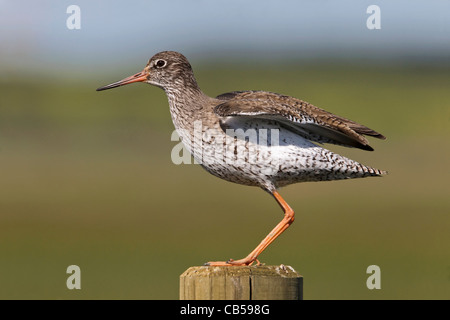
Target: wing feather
(302, 117)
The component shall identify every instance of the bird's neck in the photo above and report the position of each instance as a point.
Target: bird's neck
(186, 104)
(187, 109)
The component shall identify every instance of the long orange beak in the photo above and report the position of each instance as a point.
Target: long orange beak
(138, 77)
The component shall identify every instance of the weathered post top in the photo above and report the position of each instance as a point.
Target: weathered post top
(241, 283)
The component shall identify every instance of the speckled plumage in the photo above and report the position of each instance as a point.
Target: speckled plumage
(255, 138)
(295, 159)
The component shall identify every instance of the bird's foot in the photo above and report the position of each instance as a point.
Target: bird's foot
(248, 261)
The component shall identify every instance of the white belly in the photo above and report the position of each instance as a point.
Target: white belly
(260, 152)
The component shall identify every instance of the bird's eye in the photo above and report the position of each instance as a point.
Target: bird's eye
(160, 63)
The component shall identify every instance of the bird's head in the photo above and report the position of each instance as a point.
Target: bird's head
(167, 69)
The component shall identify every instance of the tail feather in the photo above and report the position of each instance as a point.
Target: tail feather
(372, 171)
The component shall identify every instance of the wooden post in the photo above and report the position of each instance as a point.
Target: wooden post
(241, 283)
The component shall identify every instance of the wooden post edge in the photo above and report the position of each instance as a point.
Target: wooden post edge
(241, 283)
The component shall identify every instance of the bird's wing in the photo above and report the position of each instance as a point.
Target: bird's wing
(299, 116)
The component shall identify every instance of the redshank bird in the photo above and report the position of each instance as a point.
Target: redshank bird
(255, 138)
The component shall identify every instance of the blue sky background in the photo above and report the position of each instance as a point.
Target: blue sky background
(34, 36)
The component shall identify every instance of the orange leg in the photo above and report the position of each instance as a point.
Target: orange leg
(280, 227)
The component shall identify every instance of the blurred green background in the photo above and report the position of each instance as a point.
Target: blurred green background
(87, 178)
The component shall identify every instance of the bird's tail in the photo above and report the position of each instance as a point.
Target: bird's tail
(369, 171)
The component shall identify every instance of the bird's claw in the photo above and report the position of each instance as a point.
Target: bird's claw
(231, 262)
